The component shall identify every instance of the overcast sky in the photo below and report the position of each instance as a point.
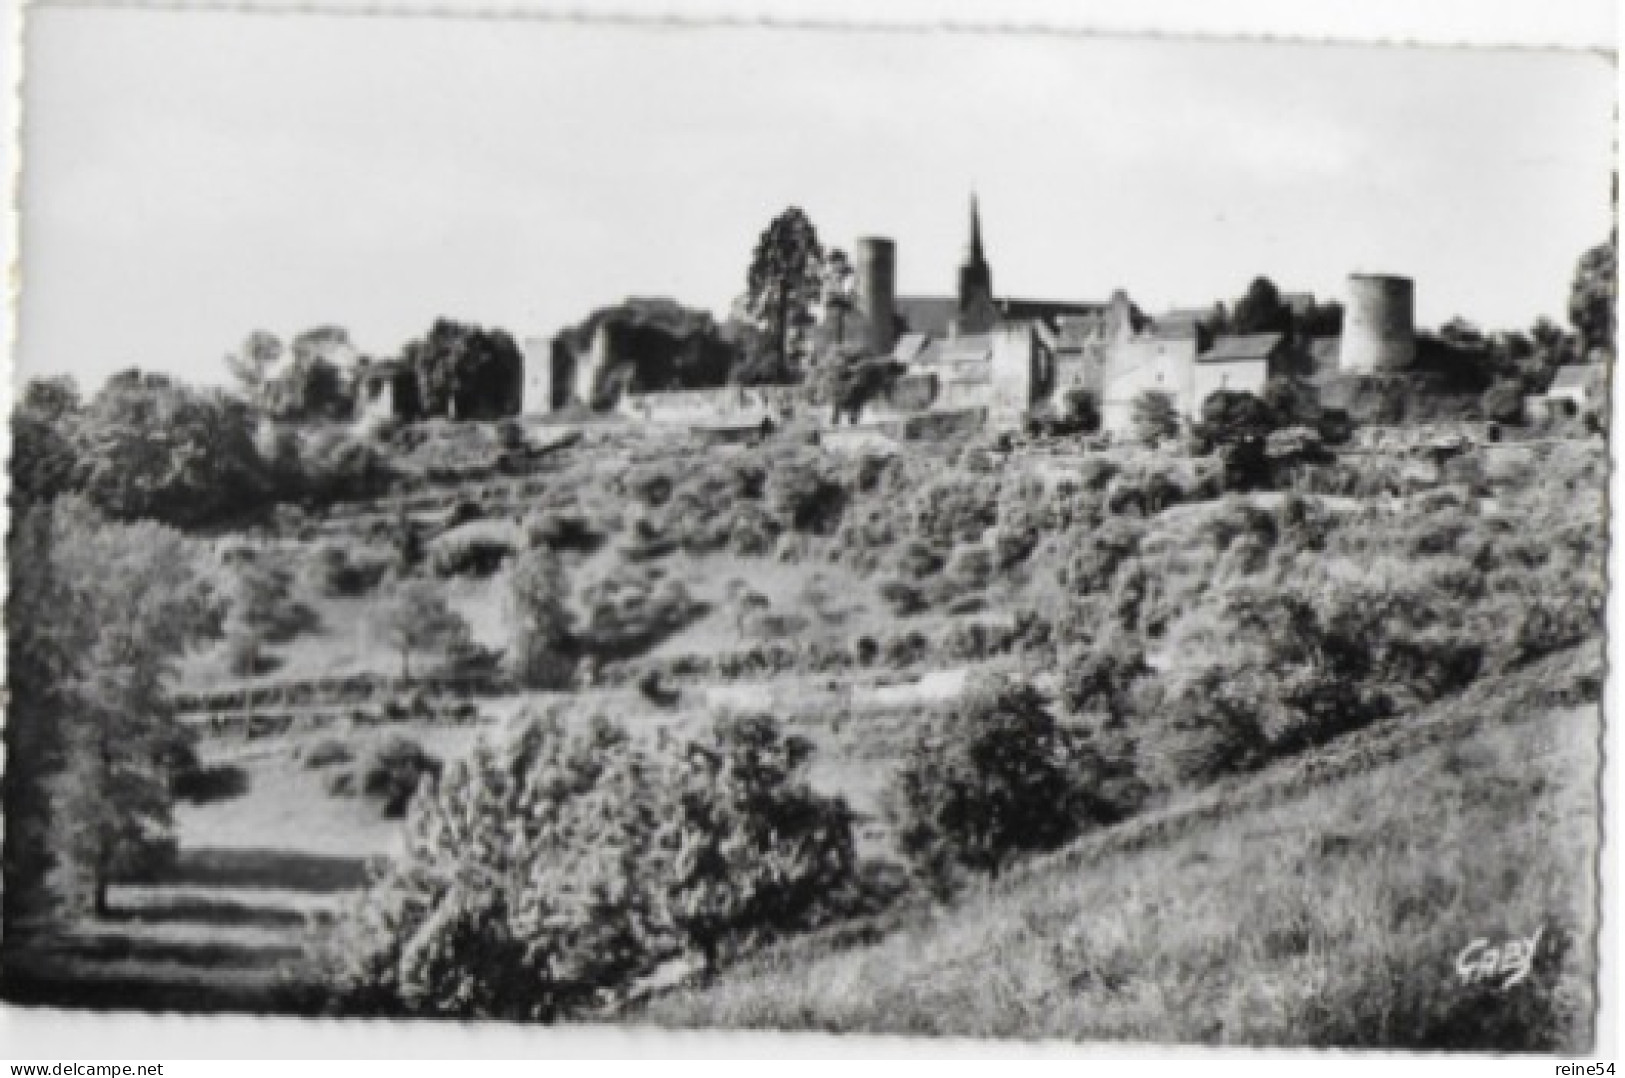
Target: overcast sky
(189, 177)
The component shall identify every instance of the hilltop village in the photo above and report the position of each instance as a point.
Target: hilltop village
(990, 361)
(860, 661)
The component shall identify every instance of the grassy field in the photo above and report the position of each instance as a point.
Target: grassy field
(824, 602)
(1323, 901)
(1334, 916)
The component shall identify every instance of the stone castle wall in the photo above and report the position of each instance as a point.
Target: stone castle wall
(730, 404)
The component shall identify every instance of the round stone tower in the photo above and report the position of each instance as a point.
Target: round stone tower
(877, 291)
(1379, 324)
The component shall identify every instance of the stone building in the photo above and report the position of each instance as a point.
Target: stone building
(1183, 355)
(1241, 364)
(1575, 388)
(974, 349)
(1160, 360)
(384, 390)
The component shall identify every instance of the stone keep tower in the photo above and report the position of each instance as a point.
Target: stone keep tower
(877, 292)
(1379, 324)
(536, 383)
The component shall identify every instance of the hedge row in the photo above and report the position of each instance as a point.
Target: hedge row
(253, 727)
(960, 641)
(336, 691)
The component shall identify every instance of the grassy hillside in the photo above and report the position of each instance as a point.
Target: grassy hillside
(1288, 909)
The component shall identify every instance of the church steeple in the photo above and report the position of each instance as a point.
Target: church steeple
(975, 276)
(973, 249)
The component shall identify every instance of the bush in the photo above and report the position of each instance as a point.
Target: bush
(218, 782)
(393, 773)
(477, 549)
(992, 779)
(244, 649)
(261, 591)
(328, 752)
(1210, 728)
(757, 852)
(546, 873)
(634, 606)
(479, 917)
(192, 780)
(1155, 418)
(971, 568)
(902, 599)
(803, 495)
(1096, 556)
(341, 467)
(538, 619)
(338, 570)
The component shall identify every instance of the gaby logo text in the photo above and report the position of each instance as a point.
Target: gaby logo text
(1511, 961)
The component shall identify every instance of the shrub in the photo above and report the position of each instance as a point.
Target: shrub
(967, 604)
(1104, 679)
(991, 779)
(1208, 729)
(335, 569)
(328, 752)
(757, 853)
(243, 650)
(216, 782)
(544, 874)
(538, 619)
(477, 549)
(1096, 555)
(772, 626)
(632, 606)
(971, 568)
(752, 531)
(515, 894)
(393, 773)
(803, 495)
(415, 618)
(1096, 473)
(902, 599)
(956, 510)
(341, 467)
(1155, 418)
(262, 600)
(919, 560)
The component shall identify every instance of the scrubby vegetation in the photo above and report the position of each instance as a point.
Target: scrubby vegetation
(986, 736)
(546, 874)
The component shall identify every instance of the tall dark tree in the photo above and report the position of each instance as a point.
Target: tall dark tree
(126, 601)
(785, 280)
(254, 363)
(1592, 298)
(466, 372)
(150, 447)
(317, 384)
(44, 459)
(52, 399)
(1261, 310)
(40, 658)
